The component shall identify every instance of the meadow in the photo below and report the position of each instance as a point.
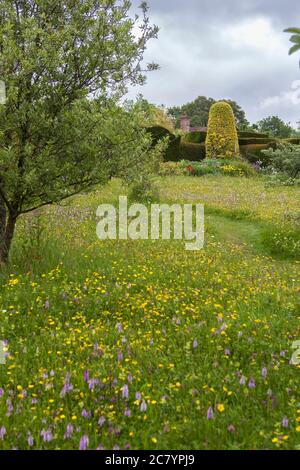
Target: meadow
(143, 345)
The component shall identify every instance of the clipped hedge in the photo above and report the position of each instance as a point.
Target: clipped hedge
(192, 152)
(292, 140)
(158, 133)
(255, 141)
(172, 153)
(255, 135)
(253, 152)
(222, 138)
(195, 137)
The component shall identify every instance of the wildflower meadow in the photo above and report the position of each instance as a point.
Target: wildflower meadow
(141, 344)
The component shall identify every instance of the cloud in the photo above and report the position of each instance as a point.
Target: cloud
(286, 103)
(224, 49)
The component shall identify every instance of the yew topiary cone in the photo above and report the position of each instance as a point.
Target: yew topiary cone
(222, 139)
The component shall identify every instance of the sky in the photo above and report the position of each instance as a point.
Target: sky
(232, 49)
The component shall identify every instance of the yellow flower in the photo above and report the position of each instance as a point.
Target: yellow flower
(298, 428)
(154, 440)
(221, 408)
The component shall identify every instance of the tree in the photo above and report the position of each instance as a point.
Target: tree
(198, 112)
(275, 127)
(65, 65)
(295, 39)
(157, 116)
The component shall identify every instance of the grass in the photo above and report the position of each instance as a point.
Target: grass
(136, 344)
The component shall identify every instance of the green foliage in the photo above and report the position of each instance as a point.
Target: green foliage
(275, 127)
(254, 153)
(172, 168)
(198, 112)
(195, 137)
(192, 152)
(143, 191)
(237, 167)
(255, 141)
(295, 39)
(55, 140)
(157, 116)
(253, 134)
(213, 166)
(285, 158)
(292, 140)
(171, 151)
(221, 139)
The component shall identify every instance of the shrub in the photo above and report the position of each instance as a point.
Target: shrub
(143, 191)
(253, 153)
(172, 168)
(238, 167)
(195, 137)
(158, 133)
(255, 141)
(172, 151)
(292, 140)
(192, 152)
(222, 138)
(255, 135)
(202, 169)
(285, 158)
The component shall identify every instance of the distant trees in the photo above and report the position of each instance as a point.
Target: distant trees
(198, 112)
(275, 127)
(157, 116)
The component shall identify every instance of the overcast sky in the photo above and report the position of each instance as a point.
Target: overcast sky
(225, 49)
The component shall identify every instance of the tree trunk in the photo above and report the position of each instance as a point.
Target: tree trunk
(6, 234)
(2, 226)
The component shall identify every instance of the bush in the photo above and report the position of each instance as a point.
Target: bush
(285, 158)
(222, 138)
(143, 191)
(255, 141)
(253, 153)
(238, 167)
(206, 167)
(292, 140)
(255, 135)
(172, 168)
(172, 152)
(209, 166)
(192, 152)
(195, 137)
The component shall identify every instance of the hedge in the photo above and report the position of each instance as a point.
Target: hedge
(192, 152)
(221, 139)
(195, 137)
(253, 152)
(292, 140)
(172, 153)
(158, 133)
(255, 135)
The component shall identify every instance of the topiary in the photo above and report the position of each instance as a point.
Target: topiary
(222, 138)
